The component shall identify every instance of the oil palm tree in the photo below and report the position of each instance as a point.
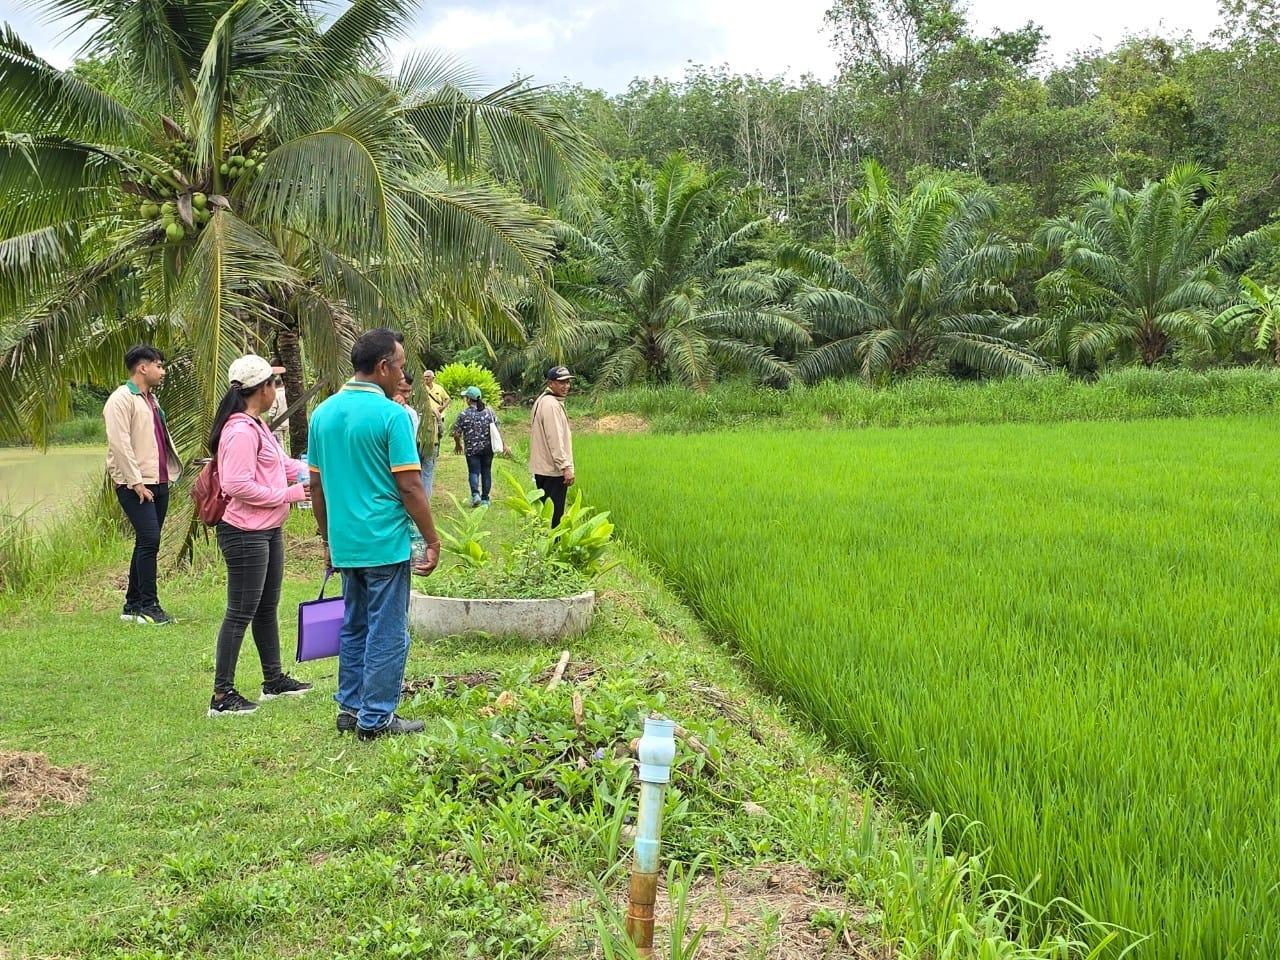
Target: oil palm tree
(925, 280)
(256, 176)
(1140, 273)
(658, 282)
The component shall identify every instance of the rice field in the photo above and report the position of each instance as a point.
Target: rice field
(39, 482)
(1067, 633)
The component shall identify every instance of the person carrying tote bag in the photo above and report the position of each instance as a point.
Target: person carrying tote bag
(473, 433)
(257, 480)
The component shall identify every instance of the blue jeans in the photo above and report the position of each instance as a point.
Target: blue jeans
(480, 473)
(374, 642)
(429, 471)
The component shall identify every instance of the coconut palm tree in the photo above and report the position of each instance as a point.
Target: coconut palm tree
(656, 277)
(255, 177)
(1140, 274)
(925, 280)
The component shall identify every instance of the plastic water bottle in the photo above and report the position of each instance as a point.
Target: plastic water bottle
(305, 479)
(417, 548)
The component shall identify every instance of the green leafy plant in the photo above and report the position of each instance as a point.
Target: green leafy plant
(254, 176)
(1259, 314)
(462, 535)
(653, 278)
(456, 377)
(1141, 274)
(579, 541)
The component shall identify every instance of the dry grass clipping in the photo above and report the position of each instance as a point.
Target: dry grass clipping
(28, 780)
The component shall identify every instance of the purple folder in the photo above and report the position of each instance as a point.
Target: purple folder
(319, 623)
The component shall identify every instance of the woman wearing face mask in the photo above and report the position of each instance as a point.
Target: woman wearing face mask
(256, 478)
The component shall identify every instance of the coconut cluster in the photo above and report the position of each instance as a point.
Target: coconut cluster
(164, 194)
(237, 166)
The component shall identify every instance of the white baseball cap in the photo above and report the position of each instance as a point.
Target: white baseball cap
(249, 371)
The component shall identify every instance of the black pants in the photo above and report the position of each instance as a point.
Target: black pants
(255, 570)
(555, 490)
(147, 518)
(480, 473)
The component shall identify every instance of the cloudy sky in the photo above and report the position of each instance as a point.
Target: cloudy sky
(604, 43)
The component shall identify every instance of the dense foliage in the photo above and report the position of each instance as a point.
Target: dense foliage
(919, 89)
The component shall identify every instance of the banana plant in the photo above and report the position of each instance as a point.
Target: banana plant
(1259, 314)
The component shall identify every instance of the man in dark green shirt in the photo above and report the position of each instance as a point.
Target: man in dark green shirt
(366, 486)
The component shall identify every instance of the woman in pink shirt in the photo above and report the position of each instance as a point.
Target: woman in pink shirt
(257, 479)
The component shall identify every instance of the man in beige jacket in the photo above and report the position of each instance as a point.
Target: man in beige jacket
(141, 461)
(551, 442)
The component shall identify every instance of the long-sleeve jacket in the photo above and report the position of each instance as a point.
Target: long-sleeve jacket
(550, 440)
(256, 476)
(133, 455)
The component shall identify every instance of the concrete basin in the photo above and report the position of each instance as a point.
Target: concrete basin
(533, 619)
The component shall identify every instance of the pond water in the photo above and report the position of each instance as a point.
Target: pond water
(39, 482)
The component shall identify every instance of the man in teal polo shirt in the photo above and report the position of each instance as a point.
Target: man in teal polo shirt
(366, 486)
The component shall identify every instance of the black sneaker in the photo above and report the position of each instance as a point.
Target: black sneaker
(395, 728)
(231, 705)
(284, 686)
(129, 614)
(153, 616)
(346, 720)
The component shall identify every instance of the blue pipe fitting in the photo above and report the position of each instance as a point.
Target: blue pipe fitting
(657, 750)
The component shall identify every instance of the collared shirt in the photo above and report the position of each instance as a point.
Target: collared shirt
(359, 439)
(437, 397)
(550, 439)
(162, 435)
(138, 452)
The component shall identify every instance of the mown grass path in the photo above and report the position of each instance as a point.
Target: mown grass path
(1067, 632)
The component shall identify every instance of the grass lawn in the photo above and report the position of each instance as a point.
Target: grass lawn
(1064, 632)
(502, 832)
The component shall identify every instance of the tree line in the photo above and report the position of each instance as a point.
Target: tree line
(948, 202)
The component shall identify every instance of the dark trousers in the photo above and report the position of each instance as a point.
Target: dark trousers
(480, 473)
(255, 570)
(555, 490)
(147, 518)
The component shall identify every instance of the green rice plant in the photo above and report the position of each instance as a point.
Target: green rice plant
(1060, 637)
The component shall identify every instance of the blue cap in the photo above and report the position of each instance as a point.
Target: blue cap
(472, 393)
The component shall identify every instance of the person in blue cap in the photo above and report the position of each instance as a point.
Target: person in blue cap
(471, 435)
